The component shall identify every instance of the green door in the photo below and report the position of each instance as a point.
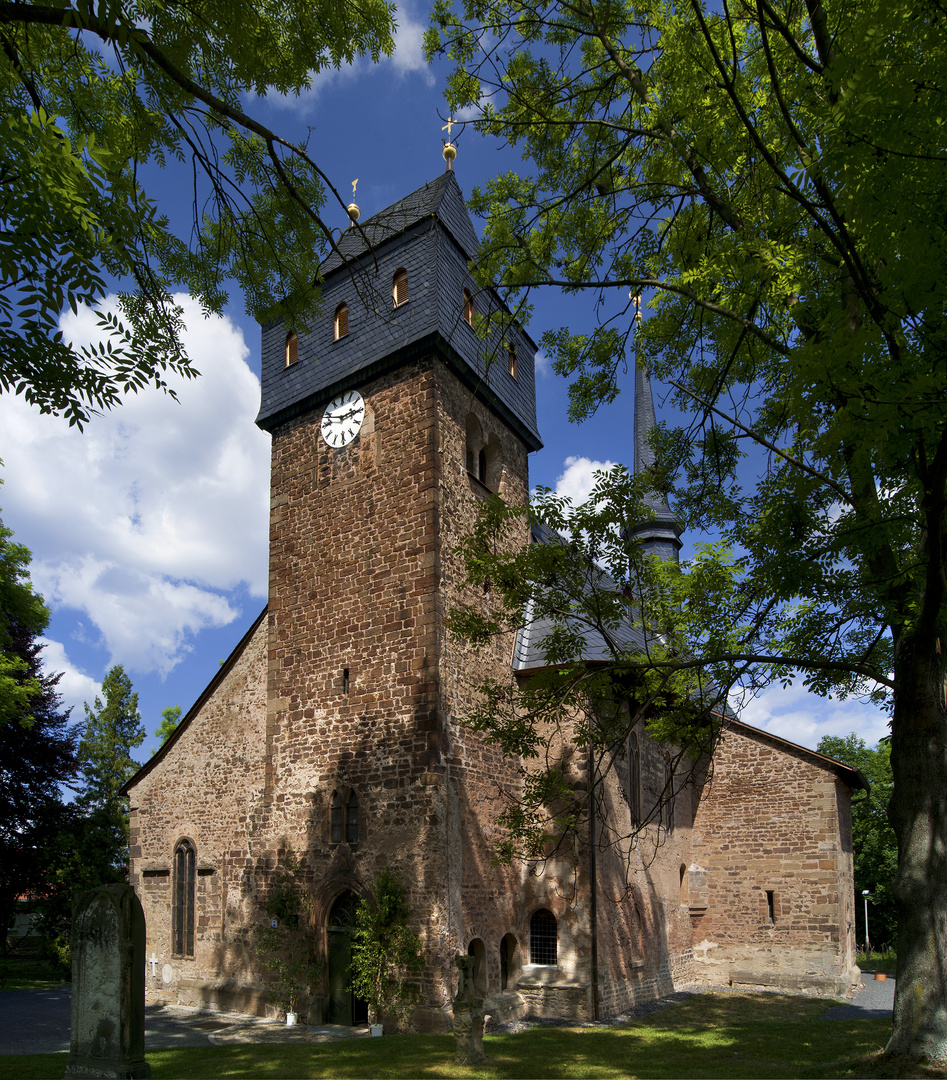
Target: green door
(344, 1006)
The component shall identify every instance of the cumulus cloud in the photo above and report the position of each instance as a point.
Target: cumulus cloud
(144, 519)
(74, 686)
(578, 478)
(801, 717)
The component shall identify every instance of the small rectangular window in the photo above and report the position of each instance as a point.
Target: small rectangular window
(511, 360)
(771, 905)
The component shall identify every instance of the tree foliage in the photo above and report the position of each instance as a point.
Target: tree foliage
(873, 841)
(386, 952)
(768, 178)
(22, 612)
(113, 729)
(96, 99)
(170, 718)
(37, 756)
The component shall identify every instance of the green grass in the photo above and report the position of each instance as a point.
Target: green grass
(877, 961)
(27, 971)
(725, 1035)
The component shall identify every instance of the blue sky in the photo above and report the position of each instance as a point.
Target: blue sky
(148, 530)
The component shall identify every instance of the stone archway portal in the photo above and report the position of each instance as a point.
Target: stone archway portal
(344, 1006)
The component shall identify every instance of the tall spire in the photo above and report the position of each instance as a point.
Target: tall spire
(660, 533)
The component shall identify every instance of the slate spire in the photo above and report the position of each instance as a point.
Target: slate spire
(660, 534)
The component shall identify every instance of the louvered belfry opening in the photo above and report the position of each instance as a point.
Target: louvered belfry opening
(341, 321)
(292, 348)
(399, 287)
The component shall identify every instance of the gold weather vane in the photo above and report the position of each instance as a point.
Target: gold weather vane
(352, 208)
(449, 151)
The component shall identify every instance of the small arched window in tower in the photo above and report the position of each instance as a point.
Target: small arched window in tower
(468, 307)
(292, 348)
(185, 887)
(399, 288)
(543, 938)
(634, 779)
(511, 360)
(341, 321)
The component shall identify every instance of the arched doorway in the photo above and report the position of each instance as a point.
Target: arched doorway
(344, 1006)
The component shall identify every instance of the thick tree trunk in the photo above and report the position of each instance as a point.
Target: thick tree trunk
(918, 813)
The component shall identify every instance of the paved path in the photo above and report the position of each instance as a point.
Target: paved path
(37, 1021)
(874, 1001)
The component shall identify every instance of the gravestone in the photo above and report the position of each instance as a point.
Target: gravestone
(468, 1017)
(108, 986)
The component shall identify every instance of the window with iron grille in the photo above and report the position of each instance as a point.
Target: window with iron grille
(185, 886)
(543, 937)
(343, 818)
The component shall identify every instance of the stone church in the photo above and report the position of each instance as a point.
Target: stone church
(335, 728)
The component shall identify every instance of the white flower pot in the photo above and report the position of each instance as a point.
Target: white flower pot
(291, 1019)
(376, 1029)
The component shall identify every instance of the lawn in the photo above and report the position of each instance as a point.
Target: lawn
(28, 971)
(725, 1035)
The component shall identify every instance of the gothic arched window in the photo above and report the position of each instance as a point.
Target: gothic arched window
(634, 779)
(343, 818)
(543, 937)
(185, 887)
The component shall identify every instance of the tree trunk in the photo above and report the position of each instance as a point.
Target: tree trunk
(918, 813)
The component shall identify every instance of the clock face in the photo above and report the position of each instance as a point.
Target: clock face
(343, 418)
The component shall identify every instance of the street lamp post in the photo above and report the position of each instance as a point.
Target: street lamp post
(866, 894)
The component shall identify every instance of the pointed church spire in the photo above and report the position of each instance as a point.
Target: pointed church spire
(660, 534)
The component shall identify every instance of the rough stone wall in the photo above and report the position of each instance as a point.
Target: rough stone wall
(771, 860)
(643, 919)
(208, 788)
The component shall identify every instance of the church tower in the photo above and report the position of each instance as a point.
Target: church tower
(391, 419)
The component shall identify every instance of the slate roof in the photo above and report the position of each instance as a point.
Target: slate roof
(428, 233)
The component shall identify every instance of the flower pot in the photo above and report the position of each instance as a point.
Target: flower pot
(880, 976)
(376, 1029)
(291, 1019)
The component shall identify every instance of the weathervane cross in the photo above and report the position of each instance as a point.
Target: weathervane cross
(447, 126)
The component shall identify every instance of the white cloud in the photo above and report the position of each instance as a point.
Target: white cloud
(74, 687)
(543, 363)
(578, 478)
(804, 718)
(144, 519)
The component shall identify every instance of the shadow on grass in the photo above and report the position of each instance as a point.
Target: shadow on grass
(746, 1035)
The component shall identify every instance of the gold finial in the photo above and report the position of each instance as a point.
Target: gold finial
(636, 300)
(352, 208)
(449, 151)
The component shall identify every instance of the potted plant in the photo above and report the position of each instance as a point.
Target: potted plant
(386, 953)
(286, 942)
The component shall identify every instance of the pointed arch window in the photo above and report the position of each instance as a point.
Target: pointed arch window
(468, 307)
(634, 779)
(399, 287)
(341, 326)
(292, 348)
(543, 938)
(668, 794)
(511, 360)
(185, 887)
(343, 818)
